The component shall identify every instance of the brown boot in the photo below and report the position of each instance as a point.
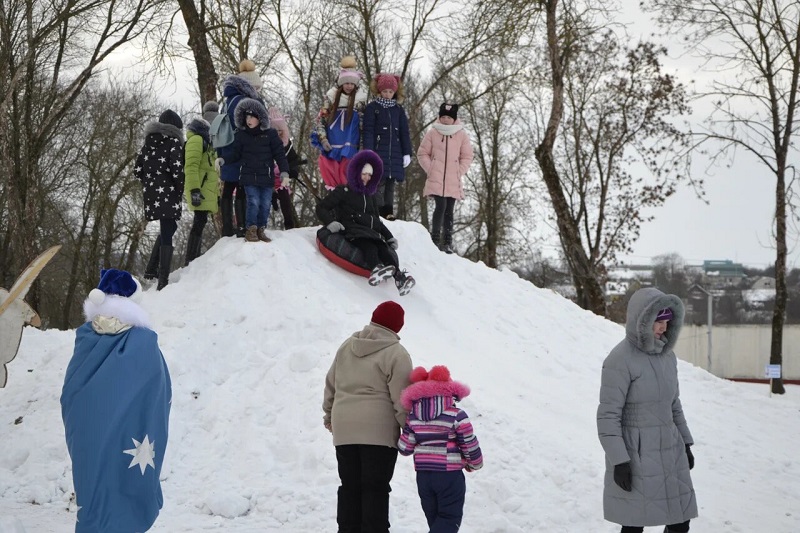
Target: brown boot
(263, 236)
(251, 235)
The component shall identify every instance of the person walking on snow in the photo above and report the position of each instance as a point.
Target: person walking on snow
(363, 411)
(640, 421)
(441, 438)
(256, 148)
(352, 209)
(386, 133)
(159, 166)
(445, 155)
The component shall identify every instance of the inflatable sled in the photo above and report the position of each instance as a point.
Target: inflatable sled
(342, 253)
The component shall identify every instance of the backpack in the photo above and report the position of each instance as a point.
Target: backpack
(221, 131)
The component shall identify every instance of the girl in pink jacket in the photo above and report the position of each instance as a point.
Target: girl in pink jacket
(445, 155)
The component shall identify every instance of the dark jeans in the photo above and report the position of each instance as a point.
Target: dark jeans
(283, 198)
(375, 253)
(365, 472)
(168, 228)
(259, 202)
(199, 222)
(442, 497)
(683, 527)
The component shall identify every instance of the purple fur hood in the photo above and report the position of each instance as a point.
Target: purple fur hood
(354, 167)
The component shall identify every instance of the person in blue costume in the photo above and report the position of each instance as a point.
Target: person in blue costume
(115, 406)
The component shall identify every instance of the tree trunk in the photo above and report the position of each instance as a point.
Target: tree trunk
(587, 283)
(779, 312)
(206, 73)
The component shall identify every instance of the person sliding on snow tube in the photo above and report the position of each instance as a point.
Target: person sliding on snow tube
(351, 211)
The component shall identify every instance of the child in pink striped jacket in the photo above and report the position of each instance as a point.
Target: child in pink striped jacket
(440, 436)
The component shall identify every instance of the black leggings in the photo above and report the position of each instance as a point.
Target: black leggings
(168, 228)
(199, 222)
(683, 527)
(376, 253)
(443, 213)
(229, 186)
(283, 198)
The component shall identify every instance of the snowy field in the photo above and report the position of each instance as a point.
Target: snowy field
(249, 331)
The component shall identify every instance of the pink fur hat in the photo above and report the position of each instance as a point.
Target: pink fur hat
(426, 384)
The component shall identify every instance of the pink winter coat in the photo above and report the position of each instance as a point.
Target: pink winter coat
(445, 155)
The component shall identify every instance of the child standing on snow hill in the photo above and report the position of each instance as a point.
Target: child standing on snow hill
(337, 134)
(202, 183)
(283, 192)
(386, 132)
(445, 154)
(256, 148)
(440, 436)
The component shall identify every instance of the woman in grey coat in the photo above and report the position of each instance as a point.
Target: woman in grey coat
(640, 421)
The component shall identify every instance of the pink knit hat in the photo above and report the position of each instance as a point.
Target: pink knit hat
(426, 384)
(387, 81)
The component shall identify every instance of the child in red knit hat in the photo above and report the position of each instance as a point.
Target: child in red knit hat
(440, 436)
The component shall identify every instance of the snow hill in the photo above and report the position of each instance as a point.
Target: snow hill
(249, 331)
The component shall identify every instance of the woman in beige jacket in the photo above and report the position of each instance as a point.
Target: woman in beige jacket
(445, 155)
(363, 411)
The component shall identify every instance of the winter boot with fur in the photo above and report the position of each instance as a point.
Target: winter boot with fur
(240, 206)
(251, 235)
(262, 235)
(226, 211)
(164, 266)
(380, 273)
(151, 270)
(404, 282)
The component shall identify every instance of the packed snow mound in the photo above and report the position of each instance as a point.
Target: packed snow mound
(249, 331)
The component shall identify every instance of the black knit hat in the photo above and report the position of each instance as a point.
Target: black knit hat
(172, 118)
(448, 110)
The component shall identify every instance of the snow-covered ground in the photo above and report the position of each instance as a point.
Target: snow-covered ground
(249, 331)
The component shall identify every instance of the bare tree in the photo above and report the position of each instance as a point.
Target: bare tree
(753, 49)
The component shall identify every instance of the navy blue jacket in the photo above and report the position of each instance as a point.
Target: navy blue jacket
(256, 151)
(386, 132)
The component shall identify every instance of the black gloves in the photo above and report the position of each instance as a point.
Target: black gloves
(690, 456)
(622, 476)
(197, 197)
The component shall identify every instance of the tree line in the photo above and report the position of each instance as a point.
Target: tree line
(576, 125)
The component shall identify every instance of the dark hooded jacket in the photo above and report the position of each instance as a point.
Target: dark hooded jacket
(159, 166)
(354, 204)
(386, 132)
(256, 150)
(234, 90)
(640, 420)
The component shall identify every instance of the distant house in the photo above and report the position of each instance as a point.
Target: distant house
(718, 274)
(763, 283)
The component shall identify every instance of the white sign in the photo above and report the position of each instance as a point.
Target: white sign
(772, 371)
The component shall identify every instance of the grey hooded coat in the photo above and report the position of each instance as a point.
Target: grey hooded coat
(640, 419)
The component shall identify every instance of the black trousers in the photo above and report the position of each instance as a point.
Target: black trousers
(683, 527)
(365, 472)
(443, 215)
(282, 198)
(375, 253)
(199, 222)
(386, 196)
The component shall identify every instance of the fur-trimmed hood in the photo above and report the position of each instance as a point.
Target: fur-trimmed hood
(167, 130)
(237, 85)
(430, 385)
(200, 127)
(643, 308)
(126, 312)
(354, 167)
(252, 107)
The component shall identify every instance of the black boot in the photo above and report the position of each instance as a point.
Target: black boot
(447, 245)
(240, 207)
(226, 212)
(164, 267)
(193, 248)
(151, 270)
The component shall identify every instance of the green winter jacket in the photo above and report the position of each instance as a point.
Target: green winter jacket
(200, 173)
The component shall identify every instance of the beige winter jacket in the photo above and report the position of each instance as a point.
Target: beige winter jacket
(363, 386)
